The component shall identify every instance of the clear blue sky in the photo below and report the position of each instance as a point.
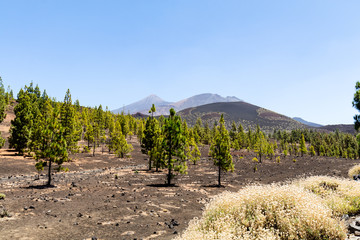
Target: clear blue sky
(298, 58)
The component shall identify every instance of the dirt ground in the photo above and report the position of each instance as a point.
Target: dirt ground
(105, 197)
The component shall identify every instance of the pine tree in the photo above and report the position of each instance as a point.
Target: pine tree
(312, 151)
(260, 145)
(98, 126)
(157, 152)
(68, 122)
(3, 101)
(174, 145)
(149, 138)
(303, 149)
(20, 129)
(119, 143)
(192, 151)
(55, 149)
(356, 104)
(220, 150)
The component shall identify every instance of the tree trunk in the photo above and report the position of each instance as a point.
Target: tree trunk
(49, 174)
(94, 148)
(150, 159)
(169, 170)
(219, 176)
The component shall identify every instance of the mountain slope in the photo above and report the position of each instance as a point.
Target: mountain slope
(241, 112)
(202, 99)
(311, 124)
(163, 107)
(142, 106)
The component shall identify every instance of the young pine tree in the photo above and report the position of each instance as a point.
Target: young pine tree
(21, 126)
(55, 149)
(220, 150)
(68, 122)
(174, 145)
(149, 138)
(303, 149)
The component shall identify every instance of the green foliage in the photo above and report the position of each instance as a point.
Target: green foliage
(356, 104)
(118, 142)
(21, 126)
(4, 101)
(149, 138)
(192, 151)
(303, 149)
(2, 196)
(174, 145)
(54, 148)
(312, 151)
(68, 122)
(158, 152)
(220, 150)
(260, 144)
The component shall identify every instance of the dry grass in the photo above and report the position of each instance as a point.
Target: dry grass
(355, 170)
(342, 196)
(267, 212)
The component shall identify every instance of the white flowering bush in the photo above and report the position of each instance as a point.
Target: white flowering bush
(266, 212)
(342, 196)
(355, 170)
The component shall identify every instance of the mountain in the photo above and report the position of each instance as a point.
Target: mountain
(347, 128)
(163, 107)
(311, 124)
(202, 99)
(240, 112)
(142, 106)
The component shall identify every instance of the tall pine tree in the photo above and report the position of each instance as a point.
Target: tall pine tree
(174, 145)
(220, 150)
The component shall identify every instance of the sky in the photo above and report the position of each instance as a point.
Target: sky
(300, 58)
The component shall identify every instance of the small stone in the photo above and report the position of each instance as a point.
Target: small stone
(31, 207)
(79, 215)
(117, 224)
(357, 233)
(94, 238)
(25, 208)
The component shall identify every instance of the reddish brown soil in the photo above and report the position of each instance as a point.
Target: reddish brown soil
(88, 201)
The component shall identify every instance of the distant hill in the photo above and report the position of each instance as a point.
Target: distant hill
(163, 107)
(241, 112)
(311, 124)
(347, 128)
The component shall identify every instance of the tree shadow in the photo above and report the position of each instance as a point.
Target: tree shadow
(162, 185)
(213, 186)
(45, 186)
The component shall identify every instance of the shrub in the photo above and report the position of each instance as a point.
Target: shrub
(266, 212)
(2, 196)
(86, 149)
(342, 196)
(355, 170)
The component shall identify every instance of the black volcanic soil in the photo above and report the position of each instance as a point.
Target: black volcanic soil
(240, 112)
(111, 198)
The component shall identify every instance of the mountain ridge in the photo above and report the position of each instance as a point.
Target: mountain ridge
(163, 107)
(311, 124)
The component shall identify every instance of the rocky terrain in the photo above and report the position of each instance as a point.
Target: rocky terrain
(110, 198)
